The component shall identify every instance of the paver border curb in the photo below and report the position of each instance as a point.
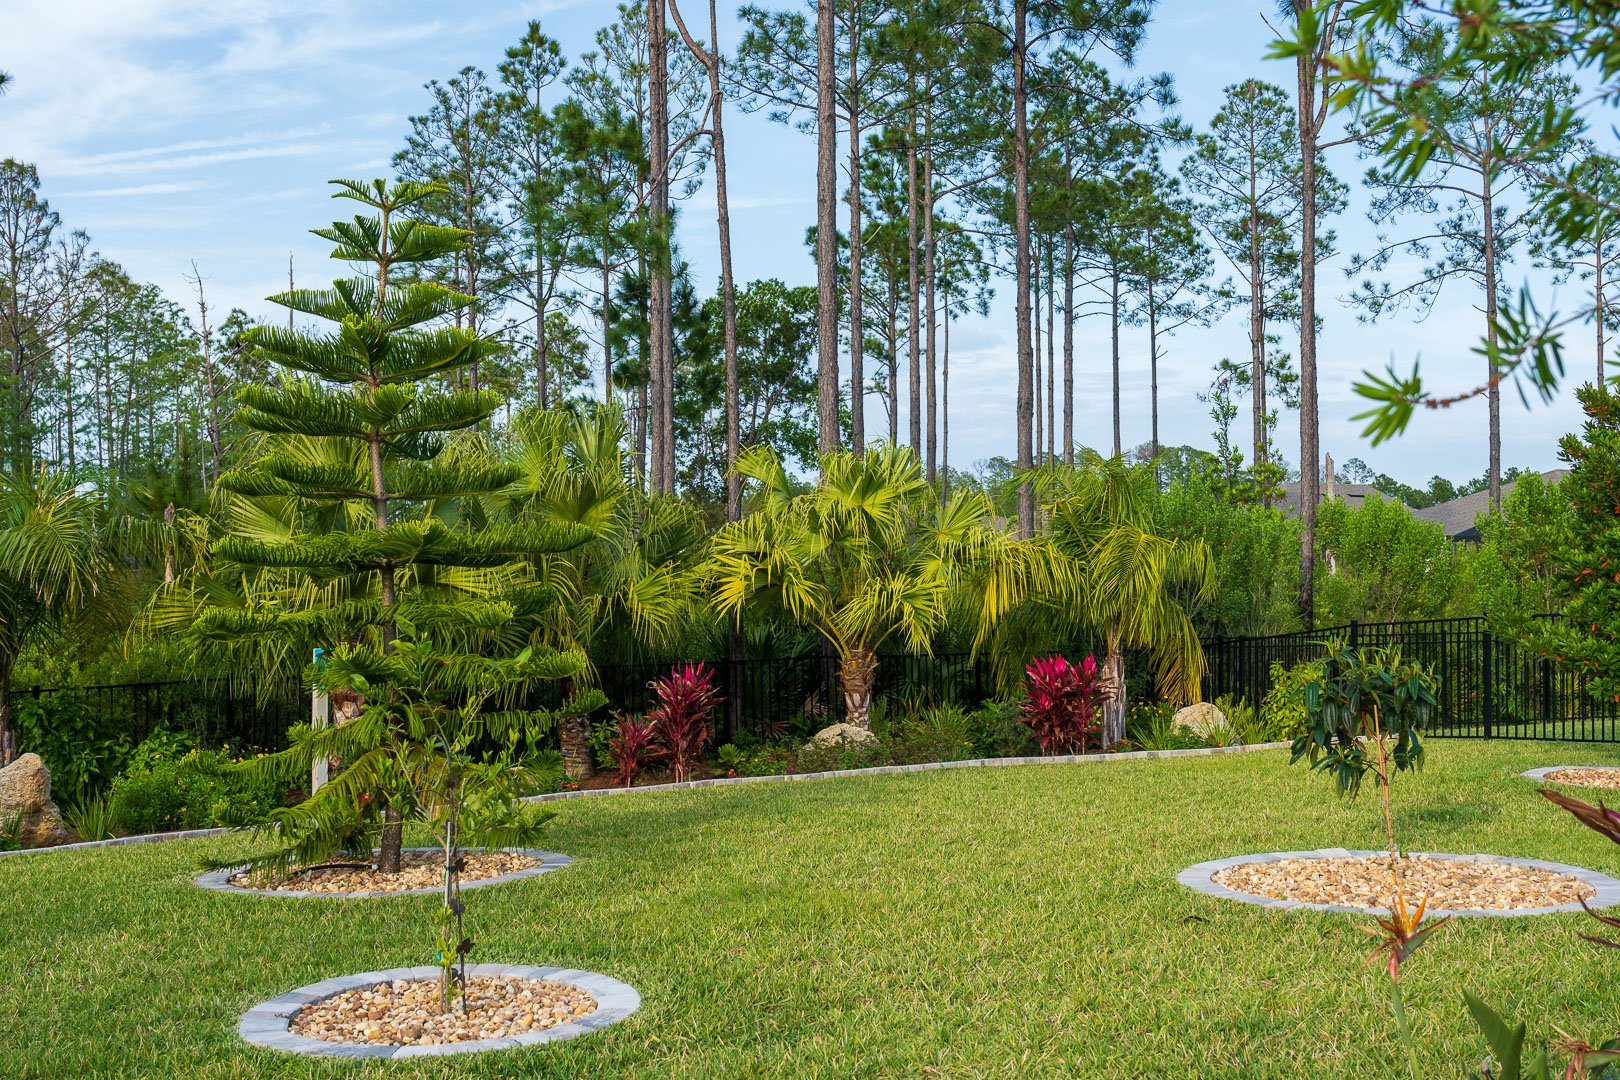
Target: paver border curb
(269, 1024)
(927, 766)
(1201, 878)
(1540, 775)
(121, 841)
(219, 880)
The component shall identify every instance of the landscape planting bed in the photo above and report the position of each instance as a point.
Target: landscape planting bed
(1337, 880)
(422, 871)
(385, 1014)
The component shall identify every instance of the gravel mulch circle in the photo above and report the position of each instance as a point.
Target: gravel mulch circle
(402, 1013)
(392, 1014)
(417, 870)
(1338, 880)
(1367, 882)
(422, 871)
(1579, 776)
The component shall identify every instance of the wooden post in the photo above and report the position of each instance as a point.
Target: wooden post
(317, 720)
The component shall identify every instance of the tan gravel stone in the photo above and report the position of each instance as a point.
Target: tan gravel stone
(418, 870)
(406, 1013)
(1600, 778)
(1366, 882)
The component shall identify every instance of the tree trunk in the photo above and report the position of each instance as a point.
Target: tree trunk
(1026, 360)
(1310, 114)
(1113, 319)
(857, 342)
(1051, 357)
(393, 839)
(574, 733)
(1068, 344)
(856, 674)
(1257, 343)
(1035, 349)
(826, 234)
(932, 436)
(913, 299)
(1494, 393)
(1113, 672)
(8, 728)
(1597, 291)
(945, 407)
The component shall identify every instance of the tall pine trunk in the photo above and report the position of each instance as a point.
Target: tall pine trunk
(914, 299)
(1113, 321)
(857, 341)
(1068, 342)
(1026, 359)
(826, 234)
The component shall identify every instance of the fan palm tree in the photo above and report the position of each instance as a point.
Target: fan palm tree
(1134, 583)
(55, 561)
(869, 556)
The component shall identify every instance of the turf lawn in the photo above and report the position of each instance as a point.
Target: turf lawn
(1008, 922)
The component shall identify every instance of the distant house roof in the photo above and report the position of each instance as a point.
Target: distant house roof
(1457, 516)
(1353, 494)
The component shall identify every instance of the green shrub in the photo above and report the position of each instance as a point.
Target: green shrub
(171, 784)
(1152, 726)
(11, 833)
(1283, 713)
(996, 731)
(91, 818)
(82, 746)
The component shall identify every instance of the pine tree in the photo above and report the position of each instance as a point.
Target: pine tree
(361, 436)
(1590, 561)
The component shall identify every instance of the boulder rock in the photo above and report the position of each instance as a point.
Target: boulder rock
(1200, 719)
(842, 733)
(25, 794)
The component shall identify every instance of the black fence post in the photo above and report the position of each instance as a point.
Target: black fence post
(1355, 633)
(1487, 666)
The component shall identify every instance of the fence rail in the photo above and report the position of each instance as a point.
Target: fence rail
(768, 698)
(1492, 685)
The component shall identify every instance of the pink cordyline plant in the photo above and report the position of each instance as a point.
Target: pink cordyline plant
(1060, 705)
(680, 718)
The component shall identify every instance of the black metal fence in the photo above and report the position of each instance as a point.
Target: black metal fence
(772, 698)
(1492, 685)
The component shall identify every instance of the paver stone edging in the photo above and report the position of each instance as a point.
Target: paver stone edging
(219, 880)
(270, 1024)
(880, 770)
(1201, 878)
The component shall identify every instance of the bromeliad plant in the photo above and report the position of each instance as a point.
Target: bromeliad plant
(1061, 703)
(680, 719)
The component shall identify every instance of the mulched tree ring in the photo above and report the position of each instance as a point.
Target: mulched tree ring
(422, 872)
(1593, 776)
(1334, 879)
(372, 1015)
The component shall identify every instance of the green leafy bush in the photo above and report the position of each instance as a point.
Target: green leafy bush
(83, 747)
(1283, 714)
(11, 833)
(1152, 726)
(171, 784)
(997, 730)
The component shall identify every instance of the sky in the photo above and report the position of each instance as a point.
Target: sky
(194, 131)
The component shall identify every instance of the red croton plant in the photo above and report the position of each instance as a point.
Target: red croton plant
(680, 719)
(1060, 705)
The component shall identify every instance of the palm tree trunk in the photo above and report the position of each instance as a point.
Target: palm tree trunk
(857, 672)
(1113, 726)
(8, 732)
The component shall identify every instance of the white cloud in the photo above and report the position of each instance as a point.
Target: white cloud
(136, 191)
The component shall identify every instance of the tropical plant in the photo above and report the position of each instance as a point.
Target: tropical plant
(1135, 585)
(632, 745)
(1283, 714)
(1367, 697)
(680, 717)
(367, 470)
(91, 818)
(626, 592)
(1061, 704)
(55, 564)
(870, 555)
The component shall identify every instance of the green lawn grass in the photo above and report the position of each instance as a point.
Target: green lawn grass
(1008, 922)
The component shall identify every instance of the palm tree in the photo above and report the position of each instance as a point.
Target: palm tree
(869, 556)
(55, 561)
(628, 592)
(5, 82)
(1134, 583)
